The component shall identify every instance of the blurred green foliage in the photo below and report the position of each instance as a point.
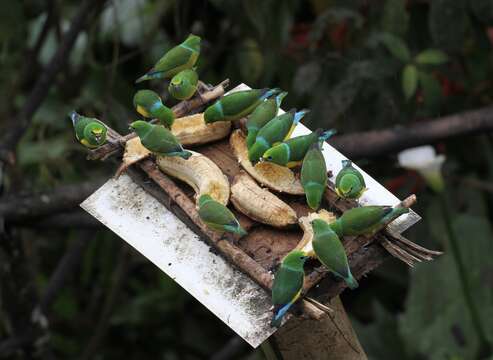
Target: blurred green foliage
(358, 65)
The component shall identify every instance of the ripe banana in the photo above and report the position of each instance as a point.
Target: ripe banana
(201, 173)
(260, 204)
(275, 177)
(134, 152)
(305, 243)
(192, 130)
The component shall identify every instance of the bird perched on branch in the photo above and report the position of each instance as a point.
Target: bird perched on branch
(159, 140)
(218, 217)
(236, 105)
(184, 84)
(149, 105)
(349, 181)
(276, 130)
(181, 57)
(288, 284)
(366, 220)
(330, 251)
(265, 112)
(314, 176)
(90, 132)
(291, 152)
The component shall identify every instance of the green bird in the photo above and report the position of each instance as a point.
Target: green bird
(265, 112)
(288, 284)
(330, 251)
(159, 140)
(149, 105)
(218, 217)
(366, 220)
(237, 105)
(184, 84)
(275, 131)
(314, 176)
(349, 181)
(181, 57)
(90, 132)
(291, 152)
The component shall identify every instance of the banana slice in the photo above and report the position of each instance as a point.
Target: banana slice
(275, 177)
(260, 204)
(201, 173)
(192, 130)
(305, 243)
(134, 152)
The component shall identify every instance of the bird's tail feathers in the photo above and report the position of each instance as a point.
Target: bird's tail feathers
(279, 314)
(327, 134)
(148, 76)
(299, 115)
(74, 116)
(280, 97)
(270, 92)
(351, 282)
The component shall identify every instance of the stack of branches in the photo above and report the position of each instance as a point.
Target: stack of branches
(263, 248)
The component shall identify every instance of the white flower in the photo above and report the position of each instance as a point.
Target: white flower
(425, 161)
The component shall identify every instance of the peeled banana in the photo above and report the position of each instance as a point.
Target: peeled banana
(134, 152)
(201, 173)
(192, 130)
(275, 177)
(305, 243)
(260, 204)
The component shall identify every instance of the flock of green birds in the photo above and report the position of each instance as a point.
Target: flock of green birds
(268, 139)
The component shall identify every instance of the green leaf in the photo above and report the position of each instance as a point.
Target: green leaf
(432, 91)
(436, 323)
(432, 57)
(250, 60)
(395, 18)
(395, 46)
(409, 80)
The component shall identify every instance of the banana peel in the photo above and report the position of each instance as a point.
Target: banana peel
(305, 243)
(198, 171)
(260, 204)
(275, 177)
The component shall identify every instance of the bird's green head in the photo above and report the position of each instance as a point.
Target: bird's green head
(321, 226)
(95, 133)
(295, 260)
(193, 42)
(214, 113)
(278, 154)
(141, 127)
(146, 99)
(259, 148)
(350, 186)
(204, 198)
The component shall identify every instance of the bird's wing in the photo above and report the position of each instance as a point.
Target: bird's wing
(287, 286)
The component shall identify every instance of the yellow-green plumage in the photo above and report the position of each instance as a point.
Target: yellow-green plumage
(236, 105)
(159, 140)
(288, 284)
(184, 84)
(90, 132)
(291, 152)
(366, 220)
(330, 251)
(314, 176)
(265, 112)
(275, 131)
(181, 57)
(149, 105)
(349, 181)
(218, 217)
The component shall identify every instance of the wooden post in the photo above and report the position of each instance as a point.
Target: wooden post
(331, 338)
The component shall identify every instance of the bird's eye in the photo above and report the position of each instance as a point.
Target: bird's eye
(302, 258)
(269, 157)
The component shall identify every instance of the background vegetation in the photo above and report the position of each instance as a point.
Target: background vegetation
(70, 288)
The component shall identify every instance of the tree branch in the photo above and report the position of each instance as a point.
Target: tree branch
(40, 90)
(22, 208)
(380, 142)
